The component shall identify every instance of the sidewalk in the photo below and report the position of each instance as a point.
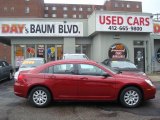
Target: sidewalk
(154, 77)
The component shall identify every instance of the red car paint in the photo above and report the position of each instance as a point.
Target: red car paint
(77, 87)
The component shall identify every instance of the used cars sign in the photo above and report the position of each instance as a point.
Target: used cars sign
(124, 23)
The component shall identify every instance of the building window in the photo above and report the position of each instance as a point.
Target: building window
(45, 15)
(27, 10)
(54, 15)
(65, 15)
(80, 16)
(89, 9)
(122, 5)
(128, 5)
(74, 9)
(5, 9)
(80, 9)
(82, 49)
(137, 6)
(74, 16)
(54, 8)
(12, 9)
(138, 43)
(46, 8)
(101, 9)
(116, 5)
(65, 8)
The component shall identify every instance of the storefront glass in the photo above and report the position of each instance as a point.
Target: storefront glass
(30, 51)
(51, 53)
(19, 54)
(41, 51)
(59, 52)
(117, 51)
(54, 52)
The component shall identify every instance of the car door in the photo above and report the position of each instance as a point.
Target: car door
(6, 69)
(92, 85)
(1, 71)
(63, 85)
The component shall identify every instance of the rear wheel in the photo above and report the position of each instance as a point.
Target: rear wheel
(131, 97)
(40, 97)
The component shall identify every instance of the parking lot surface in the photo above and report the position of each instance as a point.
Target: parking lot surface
(16, 108)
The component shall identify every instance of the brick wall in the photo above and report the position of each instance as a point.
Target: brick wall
(5, 52)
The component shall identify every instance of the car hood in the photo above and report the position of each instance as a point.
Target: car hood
(131, 75)
(131, 70)
(21, 69)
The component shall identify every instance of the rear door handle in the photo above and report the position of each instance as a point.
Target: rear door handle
(50, 77)
(84, 78)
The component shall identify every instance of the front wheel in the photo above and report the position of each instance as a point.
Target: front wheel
(40, 97)
(131, 97)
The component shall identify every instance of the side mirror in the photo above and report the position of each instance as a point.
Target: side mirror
(105, 75)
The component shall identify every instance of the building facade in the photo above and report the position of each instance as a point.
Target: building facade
(103, 35)
(155, 47)
(39, 9)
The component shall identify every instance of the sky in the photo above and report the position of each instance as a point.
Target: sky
(149, 6)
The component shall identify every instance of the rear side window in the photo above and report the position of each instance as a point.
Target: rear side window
(60, 69)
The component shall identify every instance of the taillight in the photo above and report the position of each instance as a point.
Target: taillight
(20, 77)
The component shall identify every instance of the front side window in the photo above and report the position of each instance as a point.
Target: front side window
(1, 64)
(60, 69)
(86, 69)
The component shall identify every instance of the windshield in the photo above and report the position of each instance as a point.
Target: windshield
(122, 64)
(31, 63)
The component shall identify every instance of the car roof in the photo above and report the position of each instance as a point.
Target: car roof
(72, 61)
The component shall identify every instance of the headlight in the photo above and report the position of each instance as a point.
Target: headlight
(149, 82)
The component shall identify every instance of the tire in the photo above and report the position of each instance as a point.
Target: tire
(40, 97)
(131, 97)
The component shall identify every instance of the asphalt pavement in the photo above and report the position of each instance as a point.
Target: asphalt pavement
(16, 108)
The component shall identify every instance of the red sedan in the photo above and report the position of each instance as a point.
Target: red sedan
(82, 80)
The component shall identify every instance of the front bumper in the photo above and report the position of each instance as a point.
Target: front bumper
(149, 93)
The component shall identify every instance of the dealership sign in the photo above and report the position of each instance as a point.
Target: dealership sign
(39, 28)
(156, 27)
(123, 23)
